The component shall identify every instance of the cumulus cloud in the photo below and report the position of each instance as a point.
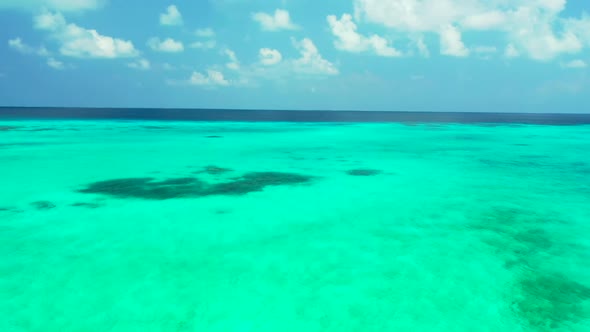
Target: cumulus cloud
(311, 61)
(233, 63)
(422, 47)
(141, 64)
(167, 66)
(204, 45)
(207, 44)
(79, 42)
(484, 21)
(575, 64)
(206, 32)
(212, 78)
(534, 27)
(348, 39)
(511, 51)
(269, 57)
(580, 27)
(55, 64)
(168, 45)
(59, 5)
(485, 49)
(18, 45)
(270, 66)
(451, 43)
(280, 20)
(542, 44)
(172, 16)
(50, 21)
(410, 15)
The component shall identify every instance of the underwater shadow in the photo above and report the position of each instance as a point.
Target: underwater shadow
(191, 187)
(542, 299)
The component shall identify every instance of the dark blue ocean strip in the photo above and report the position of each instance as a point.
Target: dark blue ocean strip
(7, 113)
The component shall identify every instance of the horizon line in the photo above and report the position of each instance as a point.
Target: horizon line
(283, 110)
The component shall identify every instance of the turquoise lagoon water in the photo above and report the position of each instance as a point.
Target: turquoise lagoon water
(198, 226)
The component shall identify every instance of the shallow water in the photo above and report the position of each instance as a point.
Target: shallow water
(197, 226)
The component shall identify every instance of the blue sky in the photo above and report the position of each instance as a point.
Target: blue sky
(400, 55)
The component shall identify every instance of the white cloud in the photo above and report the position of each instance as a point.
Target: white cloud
(141, 64)
(172, 16)
(271, 66)
(547, 46)
(167, 66)
(484, 21)
(281, 20)
(204, 45)
(269, 57)
(233, 63)
(410, 15)
(50, 21)
(511, 51)
(451, 43)
(422, 47)
(168, 45)
(348, 39)
(55, 64)
(311, 61)
(42, 51)
(18, 45)
(581, 27)
(575, 64)
(83, 43)
(207, 32)
(213, 78)
(485, 49)
(484, 52)
(60, 5)
(536, 28)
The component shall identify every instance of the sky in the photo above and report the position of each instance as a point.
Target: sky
(386, 55)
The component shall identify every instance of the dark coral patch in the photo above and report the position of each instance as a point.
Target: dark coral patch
(257, 181)
(213, 170)
(148, 188)
(10, 210)
(177, 182)
(222, 211)
(43, 205)
(363, 172)
(40, 129)
(275, 178)
(7, 128)
(86, 205)
(546, 302)
(213, 136)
